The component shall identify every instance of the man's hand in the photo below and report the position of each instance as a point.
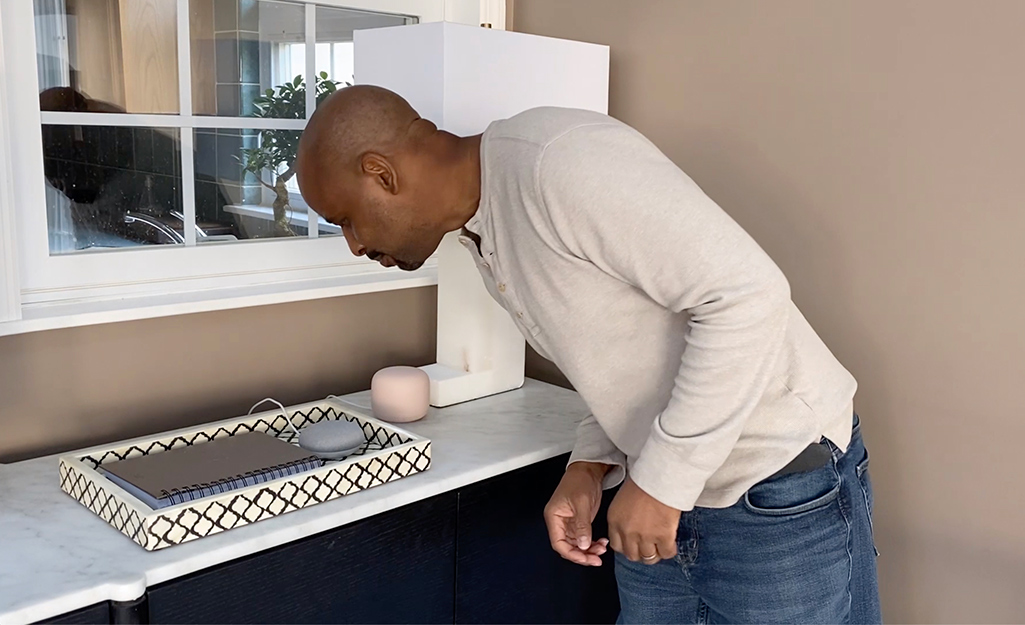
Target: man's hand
(571, 511)
(640, 527)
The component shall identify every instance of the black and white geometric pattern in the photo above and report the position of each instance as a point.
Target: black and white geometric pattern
(128, 520)
(388, 454)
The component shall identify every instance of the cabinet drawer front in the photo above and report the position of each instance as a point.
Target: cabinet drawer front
(398, 566)
(506, 569)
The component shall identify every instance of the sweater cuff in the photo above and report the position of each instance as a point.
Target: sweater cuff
(616, 473)
(594, 445)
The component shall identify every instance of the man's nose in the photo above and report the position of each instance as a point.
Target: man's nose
(354, 246)
(357, 249)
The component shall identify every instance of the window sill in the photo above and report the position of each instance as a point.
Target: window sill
(299, 217)
(50, 316)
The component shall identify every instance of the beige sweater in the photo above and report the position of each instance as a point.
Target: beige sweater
(674, 326)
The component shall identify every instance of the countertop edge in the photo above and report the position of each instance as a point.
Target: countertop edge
(132, 589)
(133, 586)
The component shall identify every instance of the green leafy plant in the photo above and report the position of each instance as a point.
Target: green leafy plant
(277, 149)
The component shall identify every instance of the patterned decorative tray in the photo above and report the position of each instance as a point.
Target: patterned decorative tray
(388, 454)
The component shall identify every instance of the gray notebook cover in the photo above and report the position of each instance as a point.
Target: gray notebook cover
(221, 460)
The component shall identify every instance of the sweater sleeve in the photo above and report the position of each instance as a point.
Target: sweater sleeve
(618, 202)
(593, 445)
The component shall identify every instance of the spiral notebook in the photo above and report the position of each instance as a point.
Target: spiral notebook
(188, 473)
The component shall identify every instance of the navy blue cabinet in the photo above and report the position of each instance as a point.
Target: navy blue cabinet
(93, 615)
(506, 571)
(396, 567)
(476, 555)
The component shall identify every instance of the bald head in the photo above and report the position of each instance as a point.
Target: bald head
(394, 183)
(349, 123)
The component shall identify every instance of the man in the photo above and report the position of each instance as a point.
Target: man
(729, 425)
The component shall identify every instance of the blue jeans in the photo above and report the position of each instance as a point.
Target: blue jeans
(795, 549)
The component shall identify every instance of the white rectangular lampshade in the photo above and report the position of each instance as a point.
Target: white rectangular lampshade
(462, 78)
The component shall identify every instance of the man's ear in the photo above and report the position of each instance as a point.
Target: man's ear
(381, 169)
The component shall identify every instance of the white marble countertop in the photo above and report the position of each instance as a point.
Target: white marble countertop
(56, 556)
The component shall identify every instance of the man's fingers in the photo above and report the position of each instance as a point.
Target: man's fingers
(616, 542)
(576, 556)
(599, 547)
(666, 546)
(648, 551)
(579, 530)
(641, 549)
(566, 513)
(569, 552)
(632, 548)
(651, 550)
(573, 529)
(566, 544)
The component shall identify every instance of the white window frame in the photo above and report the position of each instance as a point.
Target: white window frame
(41, 291)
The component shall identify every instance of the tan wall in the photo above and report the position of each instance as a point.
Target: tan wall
(874, 148)
(66, 389)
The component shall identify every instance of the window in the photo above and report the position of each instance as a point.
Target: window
(143, 132)
(334, 58)
(121, 186)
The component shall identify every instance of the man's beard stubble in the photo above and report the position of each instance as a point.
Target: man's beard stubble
(401, 264)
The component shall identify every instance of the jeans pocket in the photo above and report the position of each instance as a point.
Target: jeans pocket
(865, 482)
(866, 491)
(796, 493)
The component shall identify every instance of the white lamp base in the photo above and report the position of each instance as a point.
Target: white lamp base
(480, 350)
(450, 386)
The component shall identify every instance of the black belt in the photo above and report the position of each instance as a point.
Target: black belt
(814, 456)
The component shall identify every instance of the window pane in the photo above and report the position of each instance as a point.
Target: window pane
(107, 55)
(112, 187)
(334, 62)
(342, 59)
(334, 37)
(238, 173)
(242, 48)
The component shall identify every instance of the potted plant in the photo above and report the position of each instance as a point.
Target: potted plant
(277, 148)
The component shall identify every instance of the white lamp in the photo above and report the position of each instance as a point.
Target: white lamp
(462, 78)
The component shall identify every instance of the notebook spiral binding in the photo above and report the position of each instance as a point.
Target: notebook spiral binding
(249, 478)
